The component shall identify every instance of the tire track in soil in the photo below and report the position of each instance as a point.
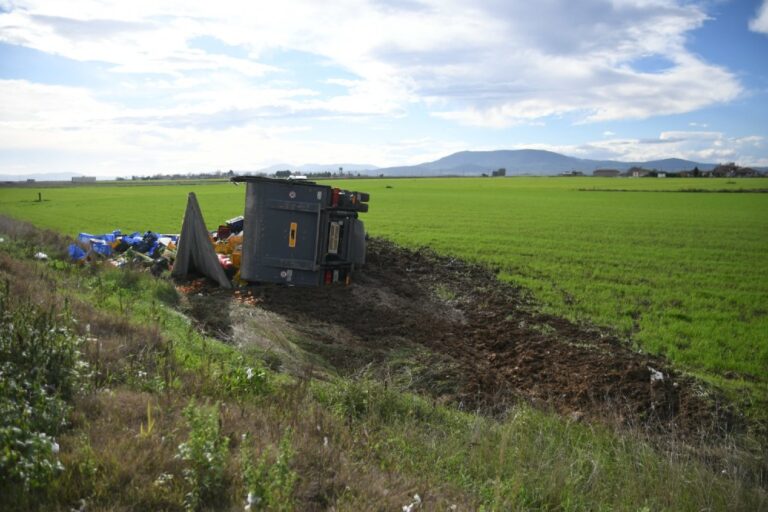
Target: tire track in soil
(504, 350)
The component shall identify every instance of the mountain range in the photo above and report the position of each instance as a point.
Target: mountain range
(529, 162)
(518, 162)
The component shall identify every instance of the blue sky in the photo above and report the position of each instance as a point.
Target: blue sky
(119, 88)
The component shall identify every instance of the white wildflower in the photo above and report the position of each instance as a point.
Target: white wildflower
(54, 447)
(163, 479)
(416, 503)
(249, 372)
(251, 500)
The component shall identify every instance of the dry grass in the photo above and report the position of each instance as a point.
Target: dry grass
(31, 237)
(110, 465)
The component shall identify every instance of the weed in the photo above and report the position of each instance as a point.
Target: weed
(165, 292)
(268, 486)
(146, 432)
(239, 380)
(40, 368)
(206, 452)
(444, 293)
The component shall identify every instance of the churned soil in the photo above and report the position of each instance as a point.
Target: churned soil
(484, 344)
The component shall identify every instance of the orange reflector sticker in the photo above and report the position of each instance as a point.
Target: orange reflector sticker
(292, 234)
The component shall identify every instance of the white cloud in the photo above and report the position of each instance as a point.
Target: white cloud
(487, 64)
(760, 22)
(490, 64)
(41, 124)
(700, 146)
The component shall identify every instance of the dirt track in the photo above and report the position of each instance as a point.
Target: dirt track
(480, 343)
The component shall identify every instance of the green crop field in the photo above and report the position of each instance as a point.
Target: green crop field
(685, 274)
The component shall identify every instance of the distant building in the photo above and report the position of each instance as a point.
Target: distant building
(731, 170)
(606, 173)
(572, 173)
(661, 175)
(83, 179)
(30, 180)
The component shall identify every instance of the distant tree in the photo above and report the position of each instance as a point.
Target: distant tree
(499, 172)
(282, 174)
(484, 175)
(696, 172)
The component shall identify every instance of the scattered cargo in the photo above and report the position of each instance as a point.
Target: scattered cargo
(154, 250)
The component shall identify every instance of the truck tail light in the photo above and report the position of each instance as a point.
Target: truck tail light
(328, 278)
(335, 197)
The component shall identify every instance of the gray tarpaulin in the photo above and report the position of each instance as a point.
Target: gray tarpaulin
(195, 252)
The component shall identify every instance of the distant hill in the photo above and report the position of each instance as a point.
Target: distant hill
(529, 161)
(517, 162)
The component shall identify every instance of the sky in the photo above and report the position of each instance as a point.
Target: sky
(116, 88)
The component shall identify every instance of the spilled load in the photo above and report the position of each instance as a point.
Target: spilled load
(293, 231)
(152, 249)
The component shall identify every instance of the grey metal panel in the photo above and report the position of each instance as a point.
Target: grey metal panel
(297, 206)
(286, 232)
(357, 242)
(288, 263)
(276, 214)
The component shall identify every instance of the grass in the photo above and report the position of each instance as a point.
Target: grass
(342, 444)
(683, 274)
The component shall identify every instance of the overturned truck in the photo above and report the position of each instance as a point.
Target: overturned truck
(301, 233)
(294, 232)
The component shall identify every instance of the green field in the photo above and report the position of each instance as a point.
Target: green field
(685, 274)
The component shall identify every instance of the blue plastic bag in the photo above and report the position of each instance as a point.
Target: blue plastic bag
(102, 248)
(76, 253)
(108, 237)
(85, 237)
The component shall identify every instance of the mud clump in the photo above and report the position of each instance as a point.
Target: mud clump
(492, 346)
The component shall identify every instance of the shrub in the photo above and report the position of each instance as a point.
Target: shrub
(269, 486)
(205, 452)
(366, 399)
(40, 368)
(165, 292)
(239, 380)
